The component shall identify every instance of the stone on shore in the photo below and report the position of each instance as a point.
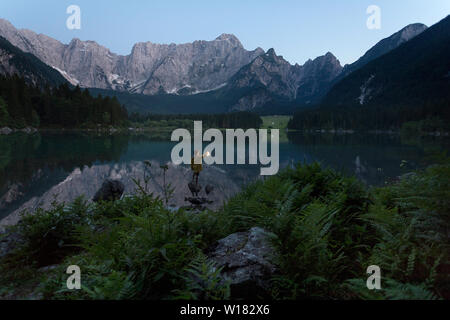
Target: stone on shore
(247, 261)
(111, 190)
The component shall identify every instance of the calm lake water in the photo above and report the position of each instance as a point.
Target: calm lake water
(37, 169)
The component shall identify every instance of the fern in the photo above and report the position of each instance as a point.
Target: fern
(203, 281)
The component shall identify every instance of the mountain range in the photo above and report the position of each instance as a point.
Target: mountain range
(15, 61)
(203, 76)
(409, 84)
(417, 71)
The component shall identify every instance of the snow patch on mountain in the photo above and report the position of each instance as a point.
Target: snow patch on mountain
(72, 80)
(365, 91)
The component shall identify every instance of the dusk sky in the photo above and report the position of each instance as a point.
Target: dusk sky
(298, 30)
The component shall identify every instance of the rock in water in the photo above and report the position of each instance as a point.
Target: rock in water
(111, 190)
(246, 260)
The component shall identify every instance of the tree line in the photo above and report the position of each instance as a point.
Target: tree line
(23, 105)
(373, 117)
(244, 120)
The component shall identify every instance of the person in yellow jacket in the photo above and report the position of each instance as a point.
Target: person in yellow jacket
(196, 165)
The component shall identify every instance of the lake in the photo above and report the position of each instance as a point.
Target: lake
(37, 169)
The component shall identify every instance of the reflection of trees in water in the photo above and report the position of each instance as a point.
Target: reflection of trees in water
(87, 180)
(372, 157)
(15, 163)
(24, 155)
(34, 164)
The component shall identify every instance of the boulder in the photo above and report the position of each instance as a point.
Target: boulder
(111, 190)
(247, 262)
(8, 242)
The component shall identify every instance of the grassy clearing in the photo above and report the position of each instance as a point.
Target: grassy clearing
(275, 122)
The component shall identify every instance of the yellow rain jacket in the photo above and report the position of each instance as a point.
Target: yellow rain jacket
(197, 168)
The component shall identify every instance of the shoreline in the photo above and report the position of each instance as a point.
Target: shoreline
(390, 132)
(31, 130)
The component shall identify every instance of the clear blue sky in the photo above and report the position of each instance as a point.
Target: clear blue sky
(297, 29)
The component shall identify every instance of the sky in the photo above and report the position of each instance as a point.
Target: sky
(297, 29)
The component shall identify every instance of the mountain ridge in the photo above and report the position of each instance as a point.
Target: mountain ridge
(411, 83)
(14, 61)
(384, 46)
(149, 68)
(220, 69)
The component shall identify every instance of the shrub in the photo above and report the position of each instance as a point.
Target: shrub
(329, 229)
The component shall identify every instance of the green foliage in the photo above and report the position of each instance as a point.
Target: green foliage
(275, 122)
(129, 249)
(414, 129)
(49, 235)
(29, 105)
(392, 290)
(329, 229)
(244, 120)
(203, 281)
(4, 115)
(375, 117)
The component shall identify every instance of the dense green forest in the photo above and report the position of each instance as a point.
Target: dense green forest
(434, 116)
(207, 102)
(242, 120)
(22, 105)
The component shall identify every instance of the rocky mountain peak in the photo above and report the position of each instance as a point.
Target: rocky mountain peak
(282, 80)
(34, 71)
(330, 56)
(272, 57)
(328, 60)
(271, 53)
(197, 67)
(5, 24)
(230, 38)
(315, 77)
(149, 69)
(411, 31)
(386, 45)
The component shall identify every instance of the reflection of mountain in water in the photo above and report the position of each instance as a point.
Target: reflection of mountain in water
(372, 158)
(31, 164)
(88, 180)
(35, 167)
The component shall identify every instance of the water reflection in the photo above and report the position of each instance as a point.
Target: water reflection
(36, 168)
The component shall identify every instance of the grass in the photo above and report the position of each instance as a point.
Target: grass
(277, 122)
(329, 229)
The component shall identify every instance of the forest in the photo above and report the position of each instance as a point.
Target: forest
(434, 117)
(244, 120)
(25, 105)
